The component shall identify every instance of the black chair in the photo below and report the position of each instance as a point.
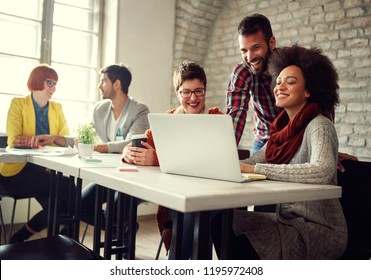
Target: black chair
(356, 203)
(167, 226)
(5, 193)
(57, 247)
(243, 154)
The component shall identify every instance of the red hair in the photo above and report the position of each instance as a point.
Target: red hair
(38, 76)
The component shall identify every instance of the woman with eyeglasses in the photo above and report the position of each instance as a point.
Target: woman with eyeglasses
(34, 121)
(190, 88)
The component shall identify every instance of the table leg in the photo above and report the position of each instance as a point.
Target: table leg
(52, 201)
(132, 227)
(109, 213)
(55, 217)
(120, 221)
(116, 246)
(98, 219)
(177, 235)
(202, 246)
(57, 207)
(77, 207)
(227, 231)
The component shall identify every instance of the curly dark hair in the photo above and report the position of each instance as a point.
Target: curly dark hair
(321, 78)
(188, 70)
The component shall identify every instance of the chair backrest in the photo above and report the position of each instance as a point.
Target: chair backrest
(356, 203)
(57, 247)
(243, 154)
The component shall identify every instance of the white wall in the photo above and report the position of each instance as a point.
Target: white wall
(145, 35)
(108, 50)
(145, 43)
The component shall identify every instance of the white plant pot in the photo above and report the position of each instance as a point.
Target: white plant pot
(85, 150)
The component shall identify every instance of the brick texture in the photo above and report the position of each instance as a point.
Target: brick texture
(206, 32)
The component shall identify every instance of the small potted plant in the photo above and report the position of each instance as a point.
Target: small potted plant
(86, 139)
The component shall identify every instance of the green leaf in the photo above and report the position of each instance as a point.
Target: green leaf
(86, 133)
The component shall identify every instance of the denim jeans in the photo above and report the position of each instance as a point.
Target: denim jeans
(256, 146)
(88, 204)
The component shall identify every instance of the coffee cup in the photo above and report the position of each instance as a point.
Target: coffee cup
(3, 140)
(137, 138)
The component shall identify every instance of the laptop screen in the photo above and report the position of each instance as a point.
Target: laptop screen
(198, 145)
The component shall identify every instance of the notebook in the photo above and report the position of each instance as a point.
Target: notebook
(198, 145)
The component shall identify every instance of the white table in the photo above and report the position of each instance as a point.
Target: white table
(71, 166)
(6, 157)
(182, 193)
(189, 194)
(67, 165)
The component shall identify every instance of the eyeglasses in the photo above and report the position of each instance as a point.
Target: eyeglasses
(50, 83)
(188, 93)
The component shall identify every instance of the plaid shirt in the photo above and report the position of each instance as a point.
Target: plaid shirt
(242, 85)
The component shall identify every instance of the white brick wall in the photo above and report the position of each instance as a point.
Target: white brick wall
(206, 32)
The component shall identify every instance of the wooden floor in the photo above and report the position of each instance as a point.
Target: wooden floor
(148, 238)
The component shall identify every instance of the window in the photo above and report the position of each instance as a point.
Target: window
(62, 33)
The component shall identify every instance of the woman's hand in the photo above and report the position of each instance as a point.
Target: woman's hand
(43, 140)
(247, 168)
(34, 141)
(139, 156)
(125, 154)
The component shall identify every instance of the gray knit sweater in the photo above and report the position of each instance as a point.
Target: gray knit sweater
(300, 230)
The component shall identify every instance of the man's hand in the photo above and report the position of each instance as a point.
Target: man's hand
(341, 157)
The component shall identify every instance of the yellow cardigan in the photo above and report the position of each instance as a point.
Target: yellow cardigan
(22, 121)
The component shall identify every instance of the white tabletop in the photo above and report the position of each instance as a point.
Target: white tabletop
(7, 157)
(182, 193)
(188, 194)
(71, 165)
(67, 164)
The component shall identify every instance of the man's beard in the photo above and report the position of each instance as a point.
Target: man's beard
(264, 65)
(266, 59)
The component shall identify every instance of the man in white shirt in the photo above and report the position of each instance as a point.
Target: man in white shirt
(115, 118)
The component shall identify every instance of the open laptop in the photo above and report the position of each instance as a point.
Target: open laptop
(198, 145)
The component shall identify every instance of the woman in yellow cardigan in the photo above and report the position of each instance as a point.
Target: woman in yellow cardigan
(34, 121)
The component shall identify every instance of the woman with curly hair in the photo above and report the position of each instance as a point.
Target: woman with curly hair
(303, 148)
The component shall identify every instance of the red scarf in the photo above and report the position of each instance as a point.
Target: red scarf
(286, 135)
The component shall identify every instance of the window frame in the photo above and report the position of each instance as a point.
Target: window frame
(45, 42)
